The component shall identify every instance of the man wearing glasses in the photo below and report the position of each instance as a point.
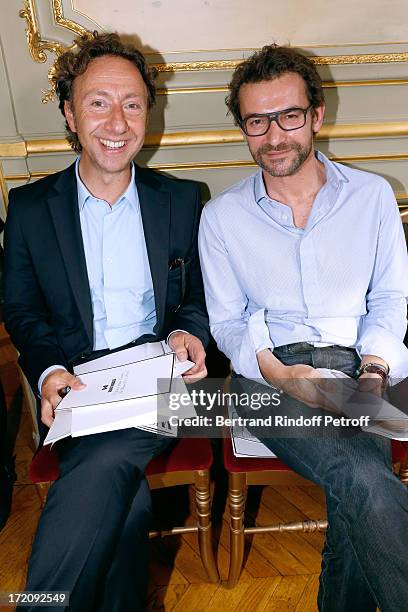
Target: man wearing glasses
(305, 267)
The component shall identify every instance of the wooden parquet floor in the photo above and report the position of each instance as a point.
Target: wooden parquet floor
(280, 572)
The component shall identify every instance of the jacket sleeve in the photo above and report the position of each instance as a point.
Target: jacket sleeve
(382, 329)
(26, 316)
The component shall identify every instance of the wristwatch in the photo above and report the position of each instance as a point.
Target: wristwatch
(375, 368)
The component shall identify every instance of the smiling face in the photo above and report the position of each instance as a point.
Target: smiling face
(278, 152)
(109, 113)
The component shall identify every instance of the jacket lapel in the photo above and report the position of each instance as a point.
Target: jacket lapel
(63, 206)
(155, 211)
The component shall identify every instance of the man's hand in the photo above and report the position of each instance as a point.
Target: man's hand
(187, 346)
(370, 382)
(50, 398)
(300, 381)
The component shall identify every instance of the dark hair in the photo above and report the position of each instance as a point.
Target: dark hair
(75, 61)
(268, 64)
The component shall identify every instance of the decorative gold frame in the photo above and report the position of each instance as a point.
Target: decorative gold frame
(39, 46)
(325, 84)
(389, 129)
(3, 187)
(328, 60)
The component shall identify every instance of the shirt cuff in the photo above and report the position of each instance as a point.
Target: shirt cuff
(380, 343)
(46, 372)
(173, 332)
(256, 339)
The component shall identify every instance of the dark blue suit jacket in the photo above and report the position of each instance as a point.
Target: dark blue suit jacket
(48, 309)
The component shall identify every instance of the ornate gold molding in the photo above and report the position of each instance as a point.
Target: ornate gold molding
(389, 129)
(364, 83)
(58, 14)
(39, 46)
(351, 131)
(326, 85)
(364, 58)
(331, 60)
(3, 187)
(13, 149)
(197, 66)
(36, 45)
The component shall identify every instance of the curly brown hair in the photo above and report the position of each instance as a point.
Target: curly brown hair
(74, 62)
(270, 63)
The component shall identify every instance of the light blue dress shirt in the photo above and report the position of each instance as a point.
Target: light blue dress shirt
(342, 280)
(118, 268)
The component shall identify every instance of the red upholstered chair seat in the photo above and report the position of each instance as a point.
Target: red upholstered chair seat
(188, 461)
(44, 466)
(186, 454)
(399, 451)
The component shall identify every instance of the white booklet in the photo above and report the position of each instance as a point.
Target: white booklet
(244, 443)
(129, 355)
(129, 388)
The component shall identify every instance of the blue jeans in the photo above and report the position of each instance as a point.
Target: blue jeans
(365, 556)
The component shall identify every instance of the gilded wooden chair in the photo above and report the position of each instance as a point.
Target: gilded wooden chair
(188, 462)
(243, 472)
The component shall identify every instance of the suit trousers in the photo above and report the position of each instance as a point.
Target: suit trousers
(365, 562)
(92, 535)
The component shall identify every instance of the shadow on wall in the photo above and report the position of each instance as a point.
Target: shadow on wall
(156, 119)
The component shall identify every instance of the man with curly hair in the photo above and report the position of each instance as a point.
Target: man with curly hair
(101, 256)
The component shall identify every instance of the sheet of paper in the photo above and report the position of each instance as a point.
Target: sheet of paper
(61, 428)
(142, 411)
(386, 432)
(244, 443)
(122, 383)
(182, 366)
(164, 429)
(129, 355)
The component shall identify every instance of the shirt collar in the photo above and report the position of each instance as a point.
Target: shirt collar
(130, 194)
(334, 176)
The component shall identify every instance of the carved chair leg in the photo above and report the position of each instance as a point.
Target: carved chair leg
(403, 471)
(236, 500)
(42, 489)
(203, 510)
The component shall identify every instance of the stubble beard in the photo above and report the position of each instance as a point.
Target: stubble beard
(281, 167)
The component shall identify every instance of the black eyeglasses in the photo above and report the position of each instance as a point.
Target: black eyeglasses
(288, 119)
